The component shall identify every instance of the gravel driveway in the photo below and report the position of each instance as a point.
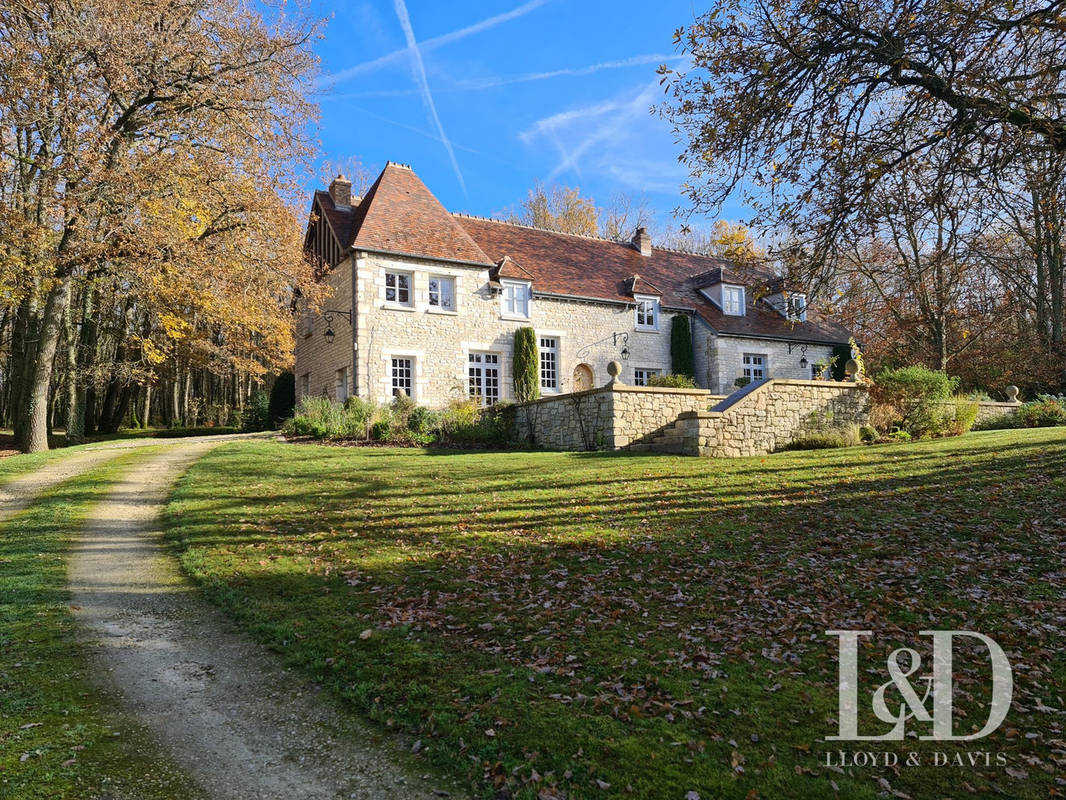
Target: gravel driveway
(227, 712)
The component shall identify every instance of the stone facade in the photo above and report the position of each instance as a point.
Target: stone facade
(770, 416)
(439, 342)
(720, 358)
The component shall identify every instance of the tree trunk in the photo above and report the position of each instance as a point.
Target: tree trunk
(34, 436)
(75, 414)
(146, 409)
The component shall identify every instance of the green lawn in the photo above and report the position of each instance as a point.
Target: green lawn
(60, 735)
(590, 625)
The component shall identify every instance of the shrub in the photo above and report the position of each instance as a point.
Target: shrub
(400, 411)
(914, 399)
(282, 399)
(257, 412)
(682, 356)
(526, 365)
(868, 433)
(1044, 412)
(965, 416)
(820, 441)
(900, 436)
(358, 414)
(319, 417)
(380, 430)
(672, 381)
(997, 423)
(838, 362)
(421, 420)
(740, 383)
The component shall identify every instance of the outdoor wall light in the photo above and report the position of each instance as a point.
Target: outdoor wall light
(330, 334)
(625, 353)
(804, 362)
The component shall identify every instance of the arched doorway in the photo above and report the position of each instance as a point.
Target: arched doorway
(583, 379)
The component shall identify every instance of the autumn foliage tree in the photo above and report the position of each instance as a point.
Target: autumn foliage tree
(814, 112)
(147, 154)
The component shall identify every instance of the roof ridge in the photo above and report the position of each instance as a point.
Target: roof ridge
(536, 228)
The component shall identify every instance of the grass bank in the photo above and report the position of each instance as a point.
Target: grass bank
(589, 625)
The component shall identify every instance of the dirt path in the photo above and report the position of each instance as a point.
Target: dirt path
(18, 494)
(241, 726)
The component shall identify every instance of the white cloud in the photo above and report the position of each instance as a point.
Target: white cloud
(617, 139)
(419, 70)
(491, 83)
(431, 44)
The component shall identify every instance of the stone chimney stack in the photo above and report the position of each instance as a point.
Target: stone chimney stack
(341, 191)
(642, 242)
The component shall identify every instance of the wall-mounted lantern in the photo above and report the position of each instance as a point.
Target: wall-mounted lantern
(622, 337)
(330, 335)
(804, 362)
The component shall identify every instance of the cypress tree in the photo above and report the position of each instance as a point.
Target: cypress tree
(526, 367)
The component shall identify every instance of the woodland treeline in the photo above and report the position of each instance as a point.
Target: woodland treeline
(150, 154)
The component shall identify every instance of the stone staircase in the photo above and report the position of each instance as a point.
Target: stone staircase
(669, 439)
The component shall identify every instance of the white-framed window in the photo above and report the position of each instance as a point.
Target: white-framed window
(641, 375)
(515, 299)
(340, 388)
(305, 384)
(442, 292)
(483, 371)
(398, 288)
(733, 300)
(647, 318)
(755, 367)
(796, 307)
(403, 373)
(549, 364)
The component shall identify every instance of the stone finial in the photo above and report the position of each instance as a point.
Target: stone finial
(1012, 394)
(614, 369)
(851, 368)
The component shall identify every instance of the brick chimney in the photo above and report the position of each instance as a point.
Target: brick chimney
(642, 242)
(341, 191)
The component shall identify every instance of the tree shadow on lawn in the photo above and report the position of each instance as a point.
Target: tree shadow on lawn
(722, 587)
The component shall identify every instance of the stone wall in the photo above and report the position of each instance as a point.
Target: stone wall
(770, 415)
(988, 410)
(612, 417)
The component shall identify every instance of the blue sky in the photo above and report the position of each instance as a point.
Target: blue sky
(485, 98)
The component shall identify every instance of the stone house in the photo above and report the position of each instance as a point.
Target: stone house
(426, 302)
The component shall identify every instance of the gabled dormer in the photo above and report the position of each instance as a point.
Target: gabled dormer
(647, 300)
(725, 289)
(786, 300)
(514, 283)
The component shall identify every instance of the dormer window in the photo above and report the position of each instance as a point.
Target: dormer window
(515, 299)
(647, 313)
(796, 307)
(733, 300)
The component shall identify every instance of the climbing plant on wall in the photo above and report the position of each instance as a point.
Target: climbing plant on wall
(681, 354)
(526, 368)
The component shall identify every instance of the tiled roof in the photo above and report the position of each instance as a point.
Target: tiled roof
(400, 215)
(587, 267)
